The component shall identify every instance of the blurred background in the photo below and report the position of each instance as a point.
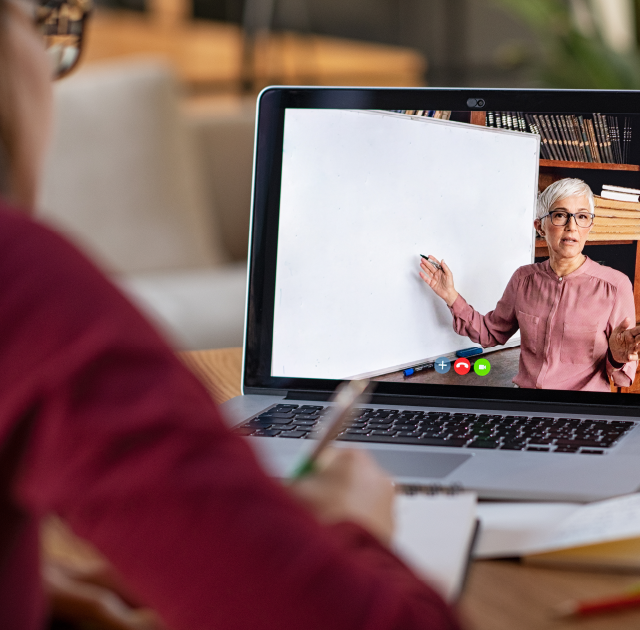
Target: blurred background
(150, 168)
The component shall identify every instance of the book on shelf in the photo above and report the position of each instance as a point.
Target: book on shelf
(570, 138)
(615, 220)
(604, 237)
(616, 213)
(622, 189)
(620, 193)
(427, 113)
(619, 230)
(619, 196)
(601, 202)
(621, 222)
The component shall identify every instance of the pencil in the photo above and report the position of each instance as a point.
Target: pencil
(347, 396)
(595, 606)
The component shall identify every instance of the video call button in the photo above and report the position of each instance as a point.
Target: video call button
(482, 367)
(462, 366)
(442, 365)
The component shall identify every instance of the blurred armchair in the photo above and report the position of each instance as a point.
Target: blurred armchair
(157, 194)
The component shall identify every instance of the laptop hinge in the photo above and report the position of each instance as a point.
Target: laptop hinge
(460, 403)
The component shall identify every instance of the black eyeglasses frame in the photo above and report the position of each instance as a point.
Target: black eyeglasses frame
(570, 215)
(56, 19)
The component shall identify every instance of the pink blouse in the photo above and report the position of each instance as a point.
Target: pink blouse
(565, 324)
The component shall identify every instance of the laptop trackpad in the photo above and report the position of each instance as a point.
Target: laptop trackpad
(411, 464)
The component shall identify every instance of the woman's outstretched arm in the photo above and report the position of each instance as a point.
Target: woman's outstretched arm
(492, 329)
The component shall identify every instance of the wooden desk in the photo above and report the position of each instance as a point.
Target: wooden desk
(500, 595)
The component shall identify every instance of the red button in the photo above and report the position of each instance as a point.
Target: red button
(462, 366)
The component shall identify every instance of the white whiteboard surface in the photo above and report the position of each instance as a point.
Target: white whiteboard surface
(363, 194)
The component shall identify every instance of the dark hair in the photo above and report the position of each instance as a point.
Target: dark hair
(7, 133)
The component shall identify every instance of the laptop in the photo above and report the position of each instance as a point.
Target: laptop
(353, 187)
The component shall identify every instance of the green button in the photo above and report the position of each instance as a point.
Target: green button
(482, 367)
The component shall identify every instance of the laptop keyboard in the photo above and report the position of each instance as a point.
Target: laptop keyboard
(437, 428)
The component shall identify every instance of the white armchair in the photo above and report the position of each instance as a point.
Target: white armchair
(159, 197)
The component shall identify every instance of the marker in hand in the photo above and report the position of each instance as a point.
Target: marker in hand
(437, 265)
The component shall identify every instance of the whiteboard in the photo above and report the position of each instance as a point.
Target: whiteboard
(363, 194)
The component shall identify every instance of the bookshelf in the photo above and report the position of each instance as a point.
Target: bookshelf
(550, 171)
(599, 166)
(480, 118)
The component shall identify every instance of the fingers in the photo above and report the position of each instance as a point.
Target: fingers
(428, 266)
(429, 272)
(101, 574)
(349, 485)
(622, 326)
(428, 278)
(629, 337)
(81, 601)
(434, 259)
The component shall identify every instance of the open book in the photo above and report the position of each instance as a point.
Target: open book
(600, 535)
(435, 535)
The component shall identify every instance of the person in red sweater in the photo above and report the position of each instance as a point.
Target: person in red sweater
(101, 424)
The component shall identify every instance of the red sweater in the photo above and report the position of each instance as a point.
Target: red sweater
(100, 423)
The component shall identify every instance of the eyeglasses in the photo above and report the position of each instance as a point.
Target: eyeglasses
(62, 23)
(561, 217)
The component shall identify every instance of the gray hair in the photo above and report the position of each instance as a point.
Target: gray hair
(562, 189)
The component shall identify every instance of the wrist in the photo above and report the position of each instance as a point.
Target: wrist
(614, 362)
(451, 298)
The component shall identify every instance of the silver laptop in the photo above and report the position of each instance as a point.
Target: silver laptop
(352, 188)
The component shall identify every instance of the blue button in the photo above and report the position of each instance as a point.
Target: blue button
(442, 365)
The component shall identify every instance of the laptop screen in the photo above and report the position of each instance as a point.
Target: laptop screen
(438, 251)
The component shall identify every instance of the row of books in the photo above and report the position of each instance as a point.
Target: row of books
(570, 138)
(429, 113)
(615, 219)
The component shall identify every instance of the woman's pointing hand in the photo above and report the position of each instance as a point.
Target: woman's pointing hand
(440, 280)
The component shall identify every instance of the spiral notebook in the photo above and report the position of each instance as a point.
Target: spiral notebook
(435, 533)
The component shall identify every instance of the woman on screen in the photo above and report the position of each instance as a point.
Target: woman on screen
(576, 317)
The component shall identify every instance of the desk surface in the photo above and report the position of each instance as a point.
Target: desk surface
(500, 595)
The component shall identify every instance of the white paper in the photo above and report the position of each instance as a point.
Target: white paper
(433, 536)
(604, 521)
(514, 529)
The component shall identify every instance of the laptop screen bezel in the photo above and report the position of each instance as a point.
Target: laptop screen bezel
(272, 104)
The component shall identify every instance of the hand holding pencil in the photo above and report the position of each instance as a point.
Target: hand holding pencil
(348, 485)
(341, 484)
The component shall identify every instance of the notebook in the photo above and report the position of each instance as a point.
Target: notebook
(435, 534)
(351, 187)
